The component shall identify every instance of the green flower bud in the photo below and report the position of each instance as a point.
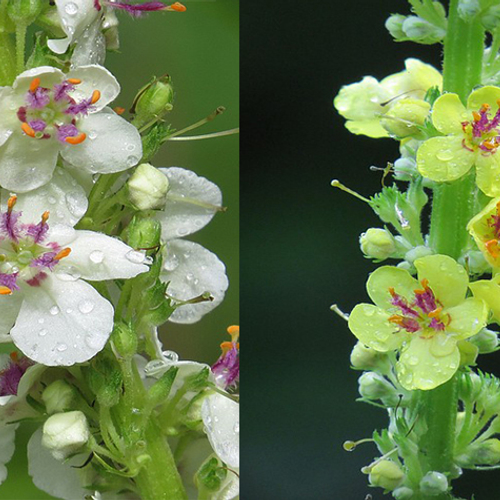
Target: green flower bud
(377, 243)
(415, 253)
(374, 386)
(153, 101)
(24, 12)
(485, 453)
(491, 18)
(486, 341)
(65, 433)
(421, 31)
(125, 340)
(433, 483)
(144, 233)
(147, 188)
(404, 117)
(403, 493)
(386, 474)
(468, 353)
(160, 390)
(394, 26)
(210, 476)
(58, 396)
(467, 9)
(475, 261)
(366, 358)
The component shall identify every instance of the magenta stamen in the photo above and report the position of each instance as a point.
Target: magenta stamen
(137, 10)
(9, 280)
(8, 225)
(227, 368)
(38, 99)
(11, 376)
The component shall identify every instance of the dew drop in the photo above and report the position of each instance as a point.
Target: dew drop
(71, 9)
(92, 135)
(413, 361)
(86, 306)
(135, 257)
(170, 356)
(51, 200)
(43, 332)
(68, 273)
(132, 160)
(236, 428)
(171, 263)
(54, 310)
(61, 347)
(96, 256)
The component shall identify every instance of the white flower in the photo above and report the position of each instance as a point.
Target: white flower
(47, 112)
(53, 316)
(191, 270)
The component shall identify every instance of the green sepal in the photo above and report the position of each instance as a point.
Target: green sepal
(160, 390)
(124, 340)
(144, 233)
(105, 380)
(24, 12)
(41, 55)
(153, 139)
(210, 475)
(198, 381)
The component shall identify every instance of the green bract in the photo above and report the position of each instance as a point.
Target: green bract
(423, 320)
(470, 138)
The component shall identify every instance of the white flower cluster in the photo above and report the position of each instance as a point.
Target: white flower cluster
(61, 277)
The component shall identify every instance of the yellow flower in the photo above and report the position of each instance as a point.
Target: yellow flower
(489, 291)
(365, 102)
(424, 321)
(471, 137)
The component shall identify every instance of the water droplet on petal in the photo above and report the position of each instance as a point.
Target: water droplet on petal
(86, 306)
(71, 9)
(445, 155)
(135, 257)
(61, 347)
(54, 310)
(43, 332)
(171, 356)
(96, 256)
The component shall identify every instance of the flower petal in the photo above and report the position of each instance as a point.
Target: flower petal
(9, 305)
(443, 159)
(9, 120)
(489, 291)
(424, 364)
(467, 318)
(484, 95)
(62, 197)
(386, 277)
(488, 173)
(90, 47)
(97, 257)
(193, 270)
(48, 75)
(59, 479)
(221, 417)
(75, 16)
(27, 163)
(448, 279)
(94, 77)
(62, 322)
(370, 324)
(7, 447)
(448, 114)
(112, 144)
(187, 209)
(370, 128)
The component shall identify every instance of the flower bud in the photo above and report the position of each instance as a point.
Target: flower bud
(153, 101)
(403, 493)
(433, 483)
(24, 12)
(374, 386)
(404, 117)
(485, 453)
(148, 187)
(468, 353)
(486, 341)
(366, 358)
(144, 233)
(405, 168)
(386, 474)
(377, 243)
(415, 253)
(421, 31)
(125, 340)
(394, 26)
(491, 18)
(475, 261)
(58, 396)
(65, 433)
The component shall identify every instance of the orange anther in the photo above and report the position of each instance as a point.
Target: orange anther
(77, 139)
(35, 83)
(11, 203)
(235, 329)
(118, 110)
(492, 247)
(74, 81)
(226, 346)
(45, 217)
(435, 313)
(490, 143)
(476, 116)
(4, 290)
(391, 291)
(28, 130)
(178, 7)
(498, 208)
(485, 107)
(14, 356)
(62, 254)
(96, 95)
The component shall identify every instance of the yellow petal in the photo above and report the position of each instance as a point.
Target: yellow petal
(485, 95)
(489, 291)
(467, 318)
(488, 173)
(447, 279)
(386, 277)
(444, 159)
(448, 114)
(371, 326)
(420, 368)
(370, 128)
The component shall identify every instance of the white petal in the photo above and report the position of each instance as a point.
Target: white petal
(95, 77)
(99, 257)
(90, 46)
(193, 270)
(221, 417)
(62, 197)
(62, 234)
(48, 75)
(184, 212)
(8, 111)
(75, 16)
(7, 447)
(112, 144)
(9, 305)
(56, 478)
(62, 322)
(27, 163)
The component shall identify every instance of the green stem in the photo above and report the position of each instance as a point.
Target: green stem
(452, 208)
(20, 46)
(7, 60)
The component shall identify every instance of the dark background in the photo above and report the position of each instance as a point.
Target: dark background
(299, 245)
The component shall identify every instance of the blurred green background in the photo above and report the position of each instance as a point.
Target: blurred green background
(199, 49)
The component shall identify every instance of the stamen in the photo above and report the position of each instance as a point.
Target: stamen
(435, 313)
(392, 291)
(45, 217)
(28, 130)
(74, 81)
(4, 290)
(476, 116)
(35, 83)
(62, 254)
(492, 248)
(118, 110)
(177, 7)
(11, 203)
(485, 107)
(14, 356)
(96, 95)
(396, 318)
(77, 139)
